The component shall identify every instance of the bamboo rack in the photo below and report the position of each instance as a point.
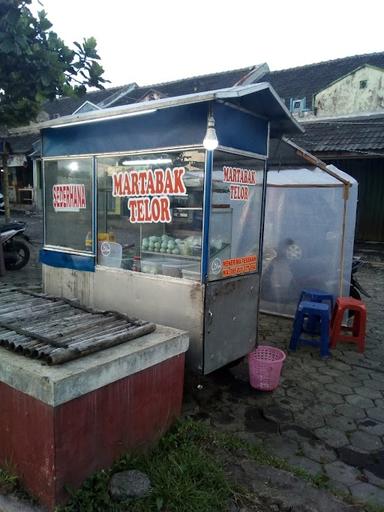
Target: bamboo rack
(57, 330)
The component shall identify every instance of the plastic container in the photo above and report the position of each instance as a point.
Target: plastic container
(172, 268)
(184, 248)
(149, 266)
(109, 254)
(265, 364)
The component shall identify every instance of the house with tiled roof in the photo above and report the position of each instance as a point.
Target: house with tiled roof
(340, 104)
(303, 83)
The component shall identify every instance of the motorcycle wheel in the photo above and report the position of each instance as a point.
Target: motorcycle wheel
(22, 252)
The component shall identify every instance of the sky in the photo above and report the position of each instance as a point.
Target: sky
(153, 41)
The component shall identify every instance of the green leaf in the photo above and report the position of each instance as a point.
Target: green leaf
(36, 64)
(159, 503)
(45, 24)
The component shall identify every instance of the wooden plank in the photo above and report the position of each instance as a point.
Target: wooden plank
(56, 313)
(59, 330)
(60, 356)
(89, 334)
(25, 332)
(54, 328)
(86, 327)
(21, 314)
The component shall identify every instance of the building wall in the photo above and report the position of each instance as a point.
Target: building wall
(348, 96)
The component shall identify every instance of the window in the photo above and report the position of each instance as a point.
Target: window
(68, 203)
(237, 184)
(150, 212)
(297, 105)
(363, 84)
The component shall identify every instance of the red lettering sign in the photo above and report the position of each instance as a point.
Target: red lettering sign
(240, 180)
(69, 198)
(160, 182)
(148, 192)
(239, 176)
(237, 266)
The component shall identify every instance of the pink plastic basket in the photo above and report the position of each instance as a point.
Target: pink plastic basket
(265, 365)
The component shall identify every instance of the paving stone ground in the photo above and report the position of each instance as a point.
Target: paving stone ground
(327, 416)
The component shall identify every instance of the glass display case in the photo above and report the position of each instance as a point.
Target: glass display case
(152, 207)
(68, 203)
(146, 228)
(235, 218)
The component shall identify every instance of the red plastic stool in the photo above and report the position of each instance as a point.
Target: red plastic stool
(357, 329)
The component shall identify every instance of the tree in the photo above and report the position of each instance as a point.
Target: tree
(35, 66)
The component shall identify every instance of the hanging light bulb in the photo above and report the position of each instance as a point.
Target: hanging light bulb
(210, 141)
(73, 166)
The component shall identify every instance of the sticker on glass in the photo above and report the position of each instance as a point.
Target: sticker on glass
(239, 180)
(105, 248)
(149, 193)
(216, 266)
(69, 198)
(243, 265)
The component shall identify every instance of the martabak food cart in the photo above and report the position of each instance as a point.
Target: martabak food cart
(155, 209)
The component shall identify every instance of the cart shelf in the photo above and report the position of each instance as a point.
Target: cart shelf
(213, 253)
(177, 256)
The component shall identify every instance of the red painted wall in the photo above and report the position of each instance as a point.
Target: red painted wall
(54, 447)
(26, 440)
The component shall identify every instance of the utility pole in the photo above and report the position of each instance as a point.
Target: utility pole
(4, 157)
(5, 178)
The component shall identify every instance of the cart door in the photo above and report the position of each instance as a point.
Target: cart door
(232, 255)
(230, 320)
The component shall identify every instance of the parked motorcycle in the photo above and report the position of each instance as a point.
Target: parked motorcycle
(15, 248)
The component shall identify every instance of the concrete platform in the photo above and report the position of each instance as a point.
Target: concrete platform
(60, 424)
(55, 385)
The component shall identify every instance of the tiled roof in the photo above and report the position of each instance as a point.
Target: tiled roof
(66, 106)
(22, 143)
(282, 154)
(188, 85)
(305, 81)
(359, 135)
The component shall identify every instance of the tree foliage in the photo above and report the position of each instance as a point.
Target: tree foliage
(36, 65)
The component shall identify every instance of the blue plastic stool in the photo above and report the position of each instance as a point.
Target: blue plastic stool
(317, 311)
(313, 295)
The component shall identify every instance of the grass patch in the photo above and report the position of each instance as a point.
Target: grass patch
(184, 473)
(374, 508)
(10, 484)
(186, 470)
(8, 480)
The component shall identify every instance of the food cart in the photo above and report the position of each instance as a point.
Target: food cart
(155, 210)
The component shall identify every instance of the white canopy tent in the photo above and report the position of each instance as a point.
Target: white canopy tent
(309, 231)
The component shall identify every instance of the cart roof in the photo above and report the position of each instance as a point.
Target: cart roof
(259, 99)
